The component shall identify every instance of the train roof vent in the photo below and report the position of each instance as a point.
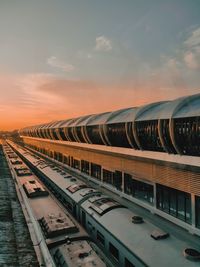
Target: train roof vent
(83, 255)
(191, 254)
(137, 219)
(159, 234)
(67, 176)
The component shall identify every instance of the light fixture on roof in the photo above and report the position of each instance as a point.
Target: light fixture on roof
(137, 219)
(191, 254)
(159, 234)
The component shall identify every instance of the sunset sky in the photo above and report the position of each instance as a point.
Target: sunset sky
(65, 58)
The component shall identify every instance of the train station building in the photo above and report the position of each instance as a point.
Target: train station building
(149, 154)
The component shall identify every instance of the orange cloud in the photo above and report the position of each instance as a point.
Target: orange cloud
(38, 98)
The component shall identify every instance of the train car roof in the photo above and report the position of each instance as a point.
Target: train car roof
(137, 238)
(71, 186)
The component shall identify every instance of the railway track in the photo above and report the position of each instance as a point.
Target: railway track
(16, 248)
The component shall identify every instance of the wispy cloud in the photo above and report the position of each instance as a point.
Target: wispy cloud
(37, 98)
(191, 54)
(191, 60)
(57, 63)
(187, 57)
(103, 44)
(194, 39)
(84, 54)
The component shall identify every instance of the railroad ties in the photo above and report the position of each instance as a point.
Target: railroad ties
(16, 248)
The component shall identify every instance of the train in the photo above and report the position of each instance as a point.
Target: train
(168, 126)
(126, 238)
(61, 240)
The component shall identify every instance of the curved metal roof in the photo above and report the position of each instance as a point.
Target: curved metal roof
(122, 115)
(152, 112)
(187, 106)
(56, 124)
(81, 121)
(99, 119)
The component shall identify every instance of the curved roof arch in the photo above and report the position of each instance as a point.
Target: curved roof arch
(122, 115)
(188, 107)
(143, 111)
(98, 119)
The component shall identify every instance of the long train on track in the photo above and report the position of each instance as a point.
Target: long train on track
(58, 239)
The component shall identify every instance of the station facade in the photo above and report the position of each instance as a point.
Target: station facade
(149, 155)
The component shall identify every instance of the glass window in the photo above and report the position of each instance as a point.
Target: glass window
(107, 176)
(197, 209)
(100, 238)
(85, 166)
(114, 251)
(128, 263)
(116, 134)
(181, 206)
(165, 205)
(187, 135)
(76, 164)
(175, 202)
(117, 180)
(96, 171)
(138, 189)
(128, 184)
(93, 133)
(147, 132)
(188, 213)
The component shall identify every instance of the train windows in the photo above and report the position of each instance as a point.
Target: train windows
(197, 209)
(83, 218)
(101, 238)
(114, 251)
(128, 263)
(175, 202)
(91, 228)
